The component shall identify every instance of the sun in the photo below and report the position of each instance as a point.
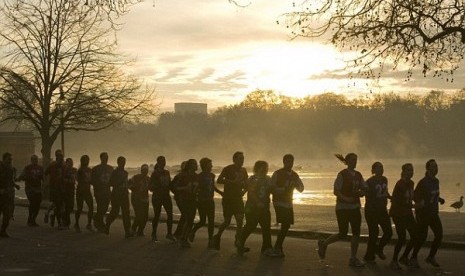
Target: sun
(292, 68)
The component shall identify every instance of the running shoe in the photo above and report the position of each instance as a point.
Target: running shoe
(404, 261)
(355, 262)
(432, 261)
(413, 262)
(394, 265)
(170, 237)
(322, 249)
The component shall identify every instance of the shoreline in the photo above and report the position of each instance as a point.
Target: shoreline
(316, 221)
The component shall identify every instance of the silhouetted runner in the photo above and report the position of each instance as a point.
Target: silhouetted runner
(56, 173)
(160, 186)
(283, 183)
(402, 215)
(100, 181)
(186, 188)
(427, 199)
(178, 232)
(7, 187)
(84, 194)
(234, 178)
(349, 186)
(139, 185)
(205, 202)
(69, 191)
(119, 197)
(376, 214)
(257, 208)
(33, 176)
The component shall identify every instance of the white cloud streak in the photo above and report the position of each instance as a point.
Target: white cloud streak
(212, 51)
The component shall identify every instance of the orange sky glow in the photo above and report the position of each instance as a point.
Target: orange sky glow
(214, 52)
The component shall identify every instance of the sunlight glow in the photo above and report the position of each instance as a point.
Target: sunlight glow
(288, 68)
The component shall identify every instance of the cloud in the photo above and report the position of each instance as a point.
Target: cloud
(204, 74)
(212, 51)
(172, 74)
(236, 76)
(174, 59)
(173, 25)
(396, 80)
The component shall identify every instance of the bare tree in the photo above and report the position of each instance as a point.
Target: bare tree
(54, 48)
(111, 8)
(397, 34)
(117, 8)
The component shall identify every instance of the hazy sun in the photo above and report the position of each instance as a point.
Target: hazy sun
(294, 70)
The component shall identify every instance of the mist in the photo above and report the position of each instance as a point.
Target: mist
(264, 128)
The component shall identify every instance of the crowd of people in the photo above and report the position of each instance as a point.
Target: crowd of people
(195, 191)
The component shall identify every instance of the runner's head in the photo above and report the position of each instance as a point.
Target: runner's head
(238, 158)
(407, 171)
(34, 159)
(288, 161)
(144, 169)
(161, 162)
(85, 161)
(7, 158)
(183, 166)
(351, 160)
(104, 158)
(432, 167)
(377, 168)
(121, 161)
(191, 165)
(69, 162)
(59, 156)
(260, 168)
(206, 164)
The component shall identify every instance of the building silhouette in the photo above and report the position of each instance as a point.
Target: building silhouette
(20, 144)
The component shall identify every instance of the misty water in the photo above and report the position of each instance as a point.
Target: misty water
(319, 178)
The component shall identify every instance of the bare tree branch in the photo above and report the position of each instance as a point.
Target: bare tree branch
(429, 35)
(63, 44)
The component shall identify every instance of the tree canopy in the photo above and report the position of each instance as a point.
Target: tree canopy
(428, 35)
(390, 125)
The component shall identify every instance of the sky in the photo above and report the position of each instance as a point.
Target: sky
(214, 52)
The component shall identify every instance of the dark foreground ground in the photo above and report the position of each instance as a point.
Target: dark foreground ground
(46, 251)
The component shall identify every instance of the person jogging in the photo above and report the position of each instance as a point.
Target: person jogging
(7, 186)
(205, 202)
(427, 199)
(33, 176)
(283, 183)
(186, 189)
(84, 194)
(119, 198)
(102, 192)
(402, 215)
(139, 186)
(349, 186)
(257, 208)
(160, 185)
(376, 213)
(56, 173)
(234, 177)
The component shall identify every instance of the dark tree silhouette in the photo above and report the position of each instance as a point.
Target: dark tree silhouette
(54, 46)
(407, 34)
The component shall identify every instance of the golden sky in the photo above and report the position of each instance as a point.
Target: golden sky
(214, 52)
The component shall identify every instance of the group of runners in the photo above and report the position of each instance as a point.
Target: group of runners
(350, 186)
(195, 191)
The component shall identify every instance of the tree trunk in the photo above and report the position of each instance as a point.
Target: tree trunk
(46, 150)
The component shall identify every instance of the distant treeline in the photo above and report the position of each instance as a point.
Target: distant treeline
(266, 125)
